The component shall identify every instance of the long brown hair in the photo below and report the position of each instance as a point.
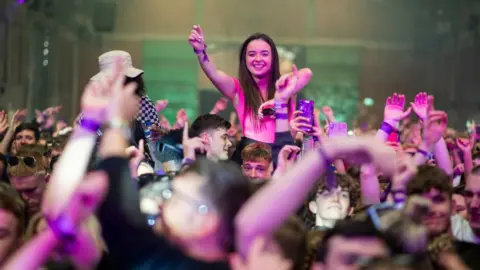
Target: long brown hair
(253, 98)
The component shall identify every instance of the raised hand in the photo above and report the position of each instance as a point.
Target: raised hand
(18, 118)
(394, 109)
(465, 144)
(160, 105)
(420, 105)
(405, 169)
(435, 124)
(3, 122)
(287, 157)
(190, 145)
(219, 106)
(182, 118)
(299, 123)
(137, 155)
(164, 123)
(328, 112)
(97, 94)
(196, 38)
(286, 85)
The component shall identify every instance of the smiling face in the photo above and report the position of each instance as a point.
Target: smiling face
(258, 57)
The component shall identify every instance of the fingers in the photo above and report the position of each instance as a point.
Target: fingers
(141, 146)
(185, 132)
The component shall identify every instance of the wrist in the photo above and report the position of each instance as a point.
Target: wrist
(393, 123)
(89, 125)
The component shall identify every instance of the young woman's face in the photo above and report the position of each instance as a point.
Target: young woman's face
(259, 58)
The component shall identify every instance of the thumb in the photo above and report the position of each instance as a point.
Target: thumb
(294, 70)
(406, 113)
(141, 146)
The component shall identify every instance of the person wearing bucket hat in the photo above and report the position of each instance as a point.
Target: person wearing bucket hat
(147, 114)
(146, 110)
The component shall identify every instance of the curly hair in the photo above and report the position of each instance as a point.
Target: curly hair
(344, 181)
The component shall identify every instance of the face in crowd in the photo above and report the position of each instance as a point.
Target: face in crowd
(257, 161)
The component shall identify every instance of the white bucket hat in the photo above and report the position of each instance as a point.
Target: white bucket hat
(106, 60)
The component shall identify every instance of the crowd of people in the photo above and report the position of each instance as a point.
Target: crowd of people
(122, 188)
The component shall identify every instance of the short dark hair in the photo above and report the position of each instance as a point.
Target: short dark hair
(257, 152)
(428, 178)
(227, 189)
(349, 229)
(207, 122)
(28, 126)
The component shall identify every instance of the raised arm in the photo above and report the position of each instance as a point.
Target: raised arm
(270, 200)
(223, 82)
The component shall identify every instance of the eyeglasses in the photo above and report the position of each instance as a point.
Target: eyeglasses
(28, 160)
(169, 192)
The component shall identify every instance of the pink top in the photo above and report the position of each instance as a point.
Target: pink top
(265, 133)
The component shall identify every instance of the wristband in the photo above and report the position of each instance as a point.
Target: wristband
(387, 128)
(62, 228)
(279, 105)
(281, 116)
(424, 153)
(396, 192)
(89, 125)
(204, 52)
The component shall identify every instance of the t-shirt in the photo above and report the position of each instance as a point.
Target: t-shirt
(462, 231)
(131, 243)
(264, 133)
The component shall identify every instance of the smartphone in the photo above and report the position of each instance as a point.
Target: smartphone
(307, 107)
(337, 129)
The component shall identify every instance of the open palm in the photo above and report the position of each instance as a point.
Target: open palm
(394, 109)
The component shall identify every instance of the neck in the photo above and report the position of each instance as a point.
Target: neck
(320, 222)
(262, 84)
(206, 251)
(212, 156)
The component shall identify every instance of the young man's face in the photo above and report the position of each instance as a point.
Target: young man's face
(9, 238)
(24, 137)
(257, 169)
(187, 215)
(333, 204)
(472, 201)
(218, 143)
(31, 189)
(437, 220)
(345, 253)
(459, 206)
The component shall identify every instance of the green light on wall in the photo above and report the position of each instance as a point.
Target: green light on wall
(368, 102)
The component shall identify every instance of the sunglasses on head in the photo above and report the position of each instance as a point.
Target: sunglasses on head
(28, 160)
